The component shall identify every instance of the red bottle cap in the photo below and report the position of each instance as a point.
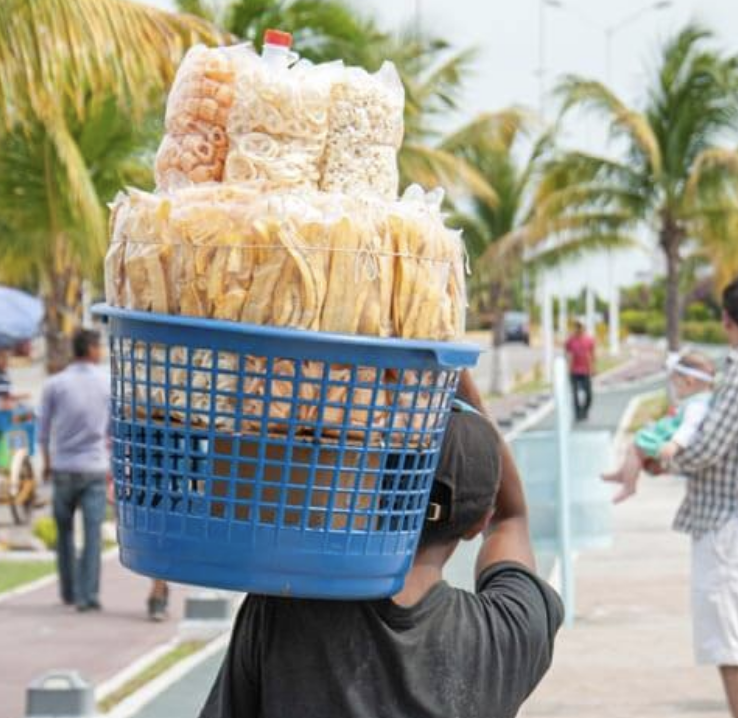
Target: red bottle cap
(278, 37)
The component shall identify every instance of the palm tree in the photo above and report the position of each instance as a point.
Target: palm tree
(508, 150)
(669, 171)
(77, 82)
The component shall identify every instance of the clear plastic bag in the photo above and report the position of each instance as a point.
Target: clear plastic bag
(360, 170)
(195, 148)
(365, 128)
(278, 124)
(309, 261)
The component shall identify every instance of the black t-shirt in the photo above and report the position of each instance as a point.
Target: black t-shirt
(454, 654)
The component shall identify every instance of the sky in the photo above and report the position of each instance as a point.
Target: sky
(507, 35)
(511, 49)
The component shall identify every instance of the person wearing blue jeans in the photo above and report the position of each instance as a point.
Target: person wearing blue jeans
(79, 580)
(73, 435)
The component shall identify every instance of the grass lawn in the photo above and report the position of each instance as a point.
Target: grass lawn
(16, 573)
(538, 384)
(177, 654)
(606, 362)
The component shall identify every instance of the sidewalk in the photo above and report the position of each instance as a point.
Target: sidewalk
(629, 653)
(38, 633)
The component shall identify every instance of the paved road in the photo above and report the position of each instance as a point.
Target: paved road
(38, 633)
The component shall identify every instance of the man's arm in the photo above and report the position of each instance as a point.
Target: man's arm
(44, 429)
(593, 356)
(718, 434)
(468, 392)
(507, 538)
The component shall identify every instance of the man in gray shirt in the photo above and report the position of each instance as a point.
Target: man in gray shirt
(73, 435)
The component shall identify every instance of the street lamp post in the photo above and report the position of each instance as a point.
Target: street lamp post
(542, 5)
(612, 30)
(613, 289)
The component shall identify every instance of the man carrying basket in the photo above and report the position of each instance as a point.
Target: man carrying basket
(431, 650)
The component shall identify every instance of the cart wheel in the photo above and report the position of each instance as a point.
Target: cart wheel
(22, 487)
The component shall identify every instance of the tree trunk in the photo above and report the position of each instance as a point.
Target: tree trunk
(497, 306)
(671, 236)
(63, 302)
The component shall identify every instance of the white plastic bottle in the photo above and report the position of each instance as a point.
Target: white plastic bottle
(276, 51)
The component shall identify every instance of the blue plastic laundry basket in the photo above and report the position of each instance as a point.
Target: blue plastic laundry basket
(272, 460)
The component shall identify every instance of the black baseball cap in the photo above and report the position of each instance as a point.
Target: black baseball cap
(467, 476)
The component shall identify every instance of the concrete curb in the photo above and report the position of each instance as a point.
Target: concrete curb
(136, 701)
(530, 419)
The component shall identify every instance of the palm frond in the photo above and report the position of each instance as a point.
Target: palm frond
(582, 246)
(491, 131)
(54, 52)
(714, 178)
(591, 95)
(432, 166)
(81, 196)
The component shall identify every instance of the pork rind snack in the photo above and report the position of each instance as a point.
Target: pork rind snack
(365, 128)
(278, 124)
(195, 148)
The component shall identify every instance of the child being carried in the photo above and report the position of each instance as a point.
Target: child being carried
(692, 378)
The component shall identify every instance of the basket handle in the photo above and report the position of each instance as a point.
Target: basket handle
(455, 358)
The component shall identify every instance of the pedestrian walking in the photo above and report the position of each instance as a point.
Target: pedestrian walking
(158, 601)
(431, 650)
(73, 435)
(709, 513)
(580, 352)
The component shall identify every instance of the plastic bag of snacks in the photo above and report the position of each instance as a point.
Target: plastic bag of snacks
(365, 128)
(195, 148)
(429, 298)
(279, 122)
(311, 261)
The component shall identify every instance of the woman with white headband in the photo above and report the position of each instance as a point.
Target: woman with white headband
(692, 376)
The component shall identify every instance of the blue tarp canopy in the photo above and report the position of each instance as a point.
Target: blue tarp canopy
(20, 316)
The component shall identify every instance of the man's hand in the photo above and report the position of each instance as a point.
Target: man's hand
(669, 451)
(46, 463)
(653, 466)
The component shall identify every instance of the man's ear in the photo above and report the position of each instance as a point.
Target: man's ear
(478, 527)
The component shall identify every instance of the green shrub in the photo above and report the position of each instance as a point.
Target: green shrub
(45, 530)
(656, 325)
(699, 312)
(703, 332)
(634, 320)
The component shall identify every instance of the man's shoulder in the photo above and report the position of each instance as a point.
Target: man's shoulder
(511, 581)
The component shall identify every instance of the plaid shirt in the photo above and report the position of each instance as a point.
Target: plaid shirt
(710, 462)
